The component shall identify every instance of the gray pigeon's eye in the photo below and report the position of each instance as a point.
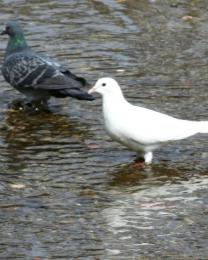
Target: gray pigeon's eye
(104, 84)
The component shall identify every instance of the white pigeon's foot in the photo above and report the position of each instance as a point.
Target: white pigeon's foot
(139, 163)
(148, 158)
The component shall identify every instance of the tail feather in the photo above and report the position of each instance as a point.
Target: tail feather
(71, 92)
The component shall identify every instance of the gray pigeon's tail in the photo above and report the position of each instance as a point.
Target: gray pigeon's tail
(67, 85)
(71, 92)
(76, 91)
(82, 81)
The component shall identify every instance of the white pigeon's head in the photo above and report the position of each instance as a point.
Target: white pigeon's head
(106, 86)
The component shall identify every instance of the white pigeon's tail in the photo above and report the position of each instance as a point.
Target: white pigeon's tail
(202, 127)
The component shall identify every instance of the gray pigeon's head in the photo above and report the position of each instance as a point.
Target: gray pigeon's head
(13, 29)
(16, 40)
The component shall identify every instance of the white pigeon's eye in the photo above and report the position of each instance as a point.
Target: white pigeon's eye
(104, 84)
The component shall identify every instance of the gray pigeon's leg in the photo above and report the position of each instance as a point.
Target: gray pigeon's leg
(148, 157)
(44, 103)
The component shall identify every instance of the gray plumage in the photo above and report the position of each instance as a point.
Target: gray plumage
(36, 76)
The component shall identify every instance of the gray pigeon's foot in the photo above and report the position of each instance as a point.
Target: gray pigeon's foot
(31, 107)
(17, 104)
(40, 105)
(36, 106)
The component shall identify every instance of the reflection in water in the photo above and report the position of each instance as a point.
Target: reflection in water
(130, 177)
(26, 136)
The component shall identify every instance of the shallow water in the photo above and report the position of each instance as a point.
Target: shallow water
(67, 191)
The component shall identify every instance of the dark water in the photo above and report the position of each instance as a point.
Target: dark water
(67, 191)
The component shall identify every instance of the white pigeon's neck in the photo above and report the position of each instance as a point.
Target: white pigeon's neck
(114, 101)
(115, 95)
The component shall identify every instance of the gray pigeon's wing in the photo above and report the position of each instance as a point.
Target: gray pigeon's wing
(26, 69)
(60, 85)
(30, 70)
(58, 80)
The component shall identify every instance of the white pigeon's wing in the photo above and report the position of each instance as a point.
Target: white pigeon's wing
(151, 127)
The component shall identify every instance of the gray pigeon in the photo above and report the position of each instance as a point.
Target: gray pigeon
(36, 76)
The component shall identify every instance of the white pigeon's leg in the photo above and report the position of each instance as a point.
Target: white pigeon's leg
(148, 157)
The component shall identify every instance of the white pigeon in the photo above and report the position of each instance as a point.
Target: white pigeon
(140, 129)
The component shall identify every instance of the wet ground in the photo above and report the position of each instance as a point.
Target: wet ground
(66, 190)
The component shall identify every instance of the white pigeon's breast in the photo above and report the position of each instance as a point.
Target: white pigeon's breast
(119, 127)
(135, 140)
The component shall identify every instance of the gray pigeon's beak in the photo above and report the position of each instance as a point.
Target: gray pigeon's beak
(92, 90)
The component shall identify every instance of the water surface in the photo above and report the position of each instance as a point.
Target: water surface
(67, 191)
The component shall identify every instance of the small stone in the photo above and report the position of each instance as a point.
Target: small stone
(17, 186)
(187, 18)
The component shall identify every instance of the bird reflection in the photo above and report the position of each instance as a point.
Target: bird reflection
(24, 135)
(129, 175)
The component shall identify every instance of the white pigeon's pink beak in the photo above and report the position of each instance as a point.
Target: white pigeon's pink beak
(92, 90)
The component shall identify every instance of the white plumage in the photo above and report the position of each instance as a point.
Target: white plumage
(138, 128)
